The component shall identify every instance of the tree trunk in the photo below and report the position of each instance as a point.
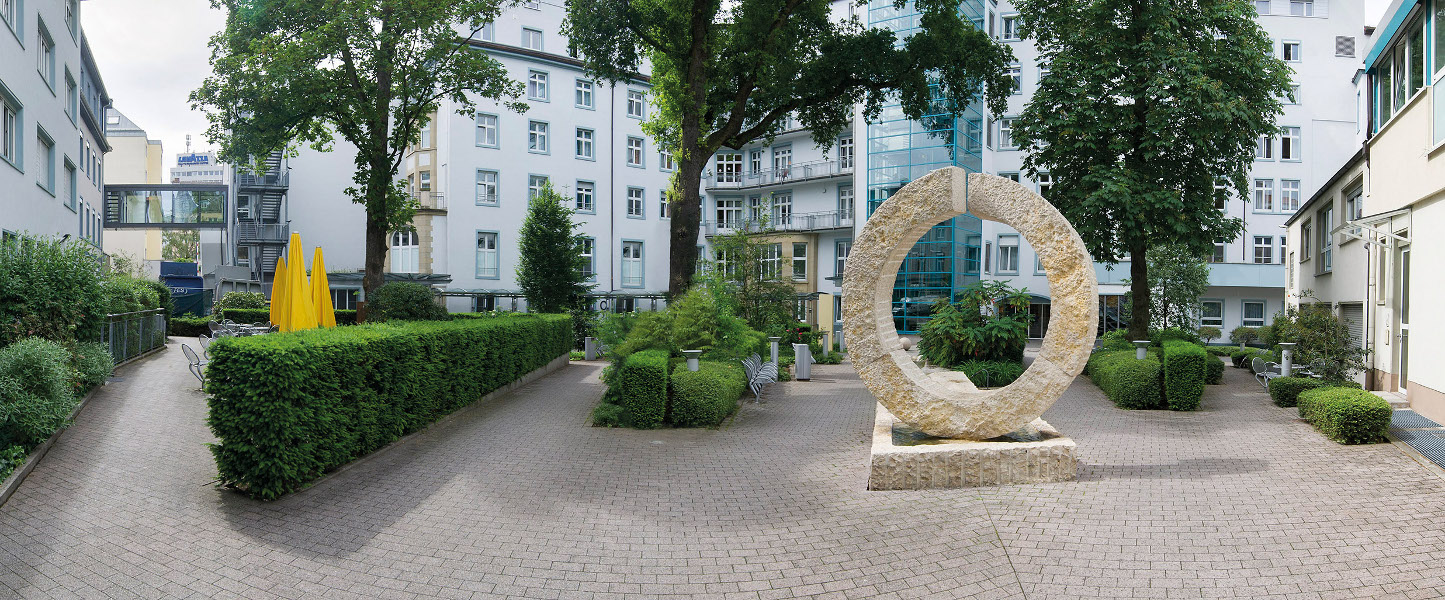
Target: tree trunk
(1139, 289)
(378, 185)
(686, 217)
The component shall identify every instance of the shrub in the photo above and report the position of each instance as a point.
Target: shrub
(1243, 335)
(251, 300)
(343, 317)
(1213, 370)
(37, 391)
(126, 295)
(1224, 351)
(263, 315)
(1346, 415)
(1159, 336)
(93, 365)
(1128, 382)
(1286, 390)
(1209, 334)
(707, 396)
(832, 358)
(584, 325)
(692, 322)
(642, 389)
(289, 407)
(988, 321)
(189, 326)
(1117, 339)
(10, 459)
(1184, 374)
(404, 301)
(50, 290)
(607, 414)
(991, 373)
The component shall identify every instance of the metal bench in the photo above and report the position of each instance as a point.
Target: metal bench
(759, 374)
(1264, 371)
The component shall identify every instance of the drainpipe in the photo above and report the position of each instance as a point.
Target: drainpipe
(611, 189)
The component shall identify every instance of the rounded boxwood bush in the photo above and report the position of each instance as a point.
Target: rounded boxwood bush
(1129, 382)
(1346, 415)
(251, 300)
(1213, 370)
(404, 301)
(705, 397)
(1185, 364)
(643, 388)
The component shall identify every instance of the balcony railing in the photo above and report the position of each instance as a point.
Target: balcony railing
(816, 221)
(791, 174)
(431, 200)
(129, 335)
(272, 178)
(262, 232)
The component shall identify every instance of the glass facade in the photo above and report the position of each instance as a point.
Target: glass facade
(198, 207)
(946, 259)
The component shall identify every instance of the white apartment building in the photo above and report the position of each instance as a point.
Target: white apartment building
(52, 128)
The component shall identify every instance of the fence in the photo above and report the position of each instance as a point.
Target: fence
(129, 335)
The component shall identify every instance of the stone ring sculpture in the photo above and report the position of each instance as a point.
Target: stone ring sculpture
(947, 404)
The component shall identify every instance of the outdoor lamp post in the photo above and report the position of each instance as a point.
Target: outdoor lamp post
(774, 342)
(1286, 359)
(1141, 349)
(692, 356)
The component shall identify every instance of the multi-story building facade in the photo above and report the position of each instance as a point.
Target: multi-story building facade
(134, 159)
(52, 123)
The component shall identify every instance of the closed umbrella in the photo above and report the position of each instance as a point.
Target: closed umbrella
(300, 312)
(321, 292)
(278, 293)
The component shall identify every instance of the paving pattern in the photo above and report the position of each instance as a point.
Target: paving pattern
(519, 498)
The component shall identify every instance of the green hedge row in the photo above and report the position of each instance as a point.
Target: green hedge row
(189, 326)
(1213, 370)
(1346, 415)
(1285, 391)
(1184, 374)
(642, 380)
(262, 315)
(1243, 358)
(289, 407)
(705, 397)
(1128, 382)
(1224, 351)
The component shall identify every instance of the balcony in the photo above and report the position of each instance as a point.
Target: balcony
(427, 200)
(268, 179)
(262, 232)
(795, 173)
(800, 222)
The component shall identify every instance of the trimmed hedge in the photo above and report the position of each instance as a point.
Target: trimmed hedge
(1184, 372)
(1130, 383)
(1346, 415)
(1224, 351)
(189, 326)
(263, 315)
(288, 408)
(705, 397)
(1285, 391)
(1213, 370)
(642, 380)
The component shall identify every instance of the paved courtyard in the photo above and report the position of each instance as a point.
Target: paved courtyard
(519, 498)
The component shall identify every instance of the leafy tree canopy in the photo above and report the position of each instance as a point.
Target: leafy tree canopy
(551, 271)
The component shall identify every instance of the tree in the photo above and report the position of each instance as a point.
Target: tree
(552, 272)
(725, 74)
(1177, 279)
(181, 245)
(1148, 106)
(746, 280)
(287, 72)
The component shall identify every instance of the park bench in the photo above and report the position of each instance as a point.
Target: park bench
(759, 374)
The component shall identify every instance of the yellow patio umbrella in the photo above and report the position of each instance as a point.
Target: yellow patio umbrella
(278, 292)
(300, 312)
(321, 292)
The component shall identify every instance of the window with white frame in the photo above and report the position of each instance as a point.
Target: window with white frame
(636, 103)
(72, 96)
(44, 161)
(1354, 207)
(1302, 8)
(729, 167)
(1217, 256)
(425, 137)
(424, 181)
(1211, 313)
(487, 130)
(841, 248)
(782, 161)
(756, 208)
(634, 151)
(665, 161)
(1290, 147)
(489, 32)
(584, 143)
(1289, 195)
(343, 299)
(1016, 74)
(583, 94)
(635, 199)
(536, 85)
(489, 259)
(1325, 219)
(1261, 6)
(1294, 94)
(584, 197)
(664, 210)
(1008, 254)
(729, 212)
(1290, 51)
(1264, 148)
(46, 54)
(531, 38)
(845, 152)
(1263, 249)
(772, 261)
(1253, 313)
(537, 137)
(535, 185)
(845, 202)
(1010, 175)
(243, 258)
(782, 209)
(405, 251)
(1264, 195)
(632, 264)
(755, 161)
(1306, 238)
(1010, 28)
(487, 188)
(9, 10)
(1046, 184)
(800, 261)
(10, 129)
(589, 258)
(1006, 134)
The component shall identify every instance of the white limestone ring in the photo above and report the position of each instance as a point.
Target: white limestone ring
(947, 404)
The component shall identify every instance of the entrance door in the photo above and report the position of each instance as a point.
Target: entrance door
(1404, 317)
(1039, 325)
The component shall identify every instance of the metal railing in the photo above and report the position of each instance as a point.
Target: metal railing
(277, 178)
(815, 221)
(790, 174)
(247, 231)
(129, 335)
(433, 200)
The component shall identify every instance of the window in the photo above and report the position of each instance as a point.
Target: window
(1325, 218)
(535, 185)
(1289, 143)
(634, 151)
(782, 161)
(9, 129)
(635, 207)
(1212, 313)
(584, 197)
(772, 261)
(1008, 254)
(1302, 8)
(729, 212)
(800, 261)
(72, 11)
(489, 260)
(72, 96)
(425, 135)
(755, 161)
(584, 144)
(729, 168)
(537, 137)
(1254, 313)
(405, 251)
(635, 102)
(1305, 232)
(1439, 20)
(755, 209)
(664, 210)
(536, 85)
(487, 188)
(343, 299)
(845, 152)
(1345, 46)
(583, 94)
(243, 257)
(1263, 249)
(489, 32)
(841, 248)
(1006, 134)
(44, 161)
(845, 202)
(1217, 256)
(1289, 195)
(632, 264)
(1264, 148)
(1294, 96)
(1264, 195)
(9, 10)
(68, 179)
(1046, 184)
(1011, 176)
(1354, 206)
(1016, 73)
(1290, 51)
(589, 258)
(425, 179)
(1417, 59)
(782, 209)
(531, 38)
(46, 55)
(1261, 6)
(1010, 28)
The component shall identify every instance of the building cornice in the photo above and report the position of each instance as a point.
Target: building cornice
(559, 59)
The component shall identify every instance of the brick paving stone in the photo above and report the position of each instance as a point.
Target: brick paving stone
(519, 498)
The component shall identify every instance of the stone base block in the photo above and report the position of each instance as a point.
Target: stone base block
(906, 459)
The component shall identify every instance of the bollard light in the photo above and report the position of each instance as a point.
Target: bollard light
(1141, 349)
(774, 341)
(1286, 358)
(692, 356)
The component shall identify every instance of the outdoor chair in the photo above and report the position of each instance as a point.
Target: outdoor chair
(197, 366)
(205, 341)
(759, 374)
(1264, 371)
(215, 327)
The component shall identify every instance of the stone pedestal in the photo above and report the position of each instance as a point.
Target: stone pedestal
(905, 458)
